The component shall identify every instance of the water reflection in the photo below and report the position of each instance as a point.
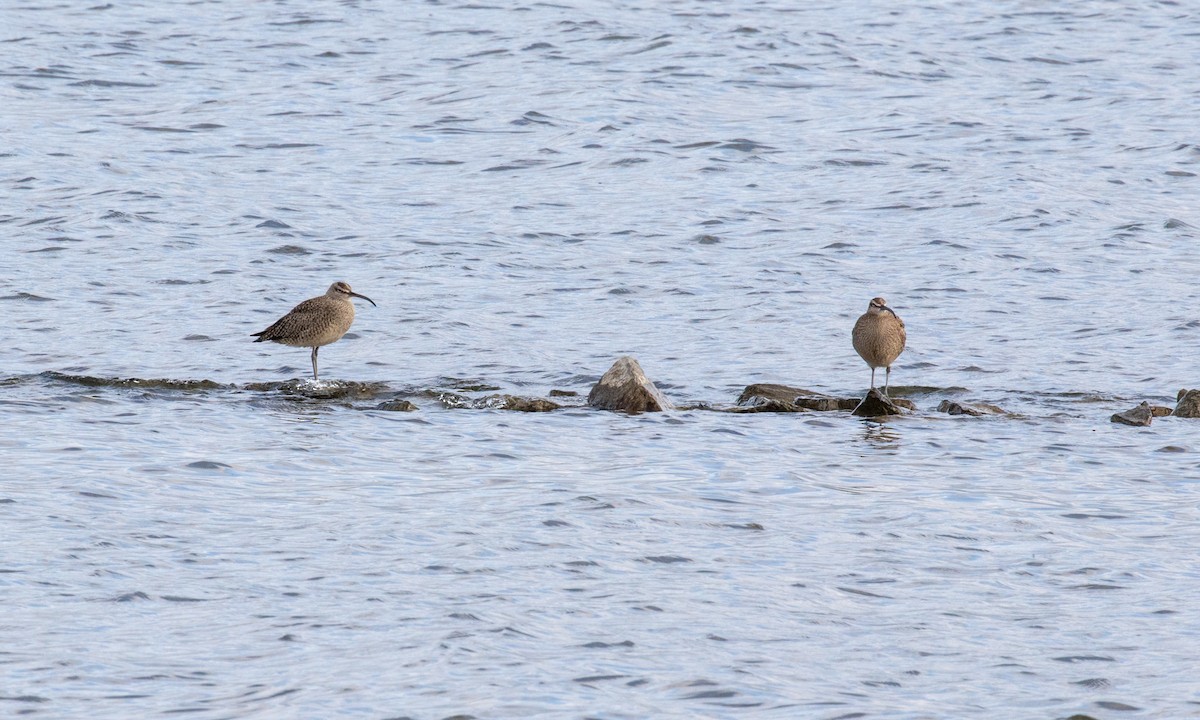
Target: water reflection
(880, 434)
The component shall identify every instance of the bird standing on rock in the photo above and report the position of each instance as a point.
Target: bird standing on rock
(879, 338)
(315, 322)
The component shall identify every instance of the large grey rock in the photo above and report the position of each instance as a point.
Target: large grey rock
(1187, 404)
(1141, 416)
(876, 404)
(625, 388)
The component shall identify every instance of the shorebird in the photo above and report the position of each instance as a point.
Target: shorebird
(316, 321)
(879, 338)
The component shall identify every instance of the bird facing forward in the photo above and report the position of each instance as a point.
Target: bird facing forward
(879, 338)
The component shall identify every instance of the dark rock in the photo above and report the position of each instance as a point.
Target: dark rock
(764, 405)
(625, 388)
(768, 397)
(1138, 416)
(397, 406)
(1187, 404)
(563, 393)
(953, 408)
(876, 404)
(140, 383)
(759, 393)
(772, 397)
(325, 389)
(974, 409)
(1161, 411)
(825, 403)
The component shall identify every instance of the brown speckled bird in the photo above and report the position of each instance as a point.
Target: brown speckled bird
(879, 338)
(315, 322)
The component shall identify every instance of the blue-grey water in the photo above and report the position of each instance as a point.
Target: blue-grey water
(528, 191)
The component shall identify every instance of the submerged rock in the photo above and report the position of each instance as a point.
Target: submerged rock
(769, 397)
(953, 408)
(625, 388)
(772, 397)
(973, 409)
(825, 403)
(322, 389)
(467, 384)
(1140, 416)
(144, 383)
(876, 404)
(1187, 404)
(454, 401)
(397, 406)
(513, 402)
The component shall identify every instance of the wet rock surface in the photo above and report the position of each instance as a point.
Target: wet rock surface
(514, 402)
(769, 397)
(323, 389)
(397, 406)
(826, 403)
(1141, 416)
(876, 404)
(625, 388)
(952, 407)
(1187, 404)
(774, 397)
(146, 383)
(498, 401)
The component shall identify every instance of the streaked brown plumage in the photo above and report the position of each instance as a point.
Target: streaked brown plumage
(879, 338)
(315, 322)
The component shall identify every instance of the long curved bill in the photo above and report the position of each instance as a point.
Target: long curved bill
(364, 297)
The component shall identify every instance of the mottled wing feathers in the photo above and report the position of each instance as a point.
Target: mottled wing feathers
(300, 316)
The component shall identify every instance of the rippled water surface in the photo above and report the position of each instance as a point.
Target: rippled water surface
(191, 528)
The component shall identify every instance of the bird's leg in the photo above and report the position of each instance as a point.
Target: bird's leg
(887, 375)
(872, 377)
(315, 364)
